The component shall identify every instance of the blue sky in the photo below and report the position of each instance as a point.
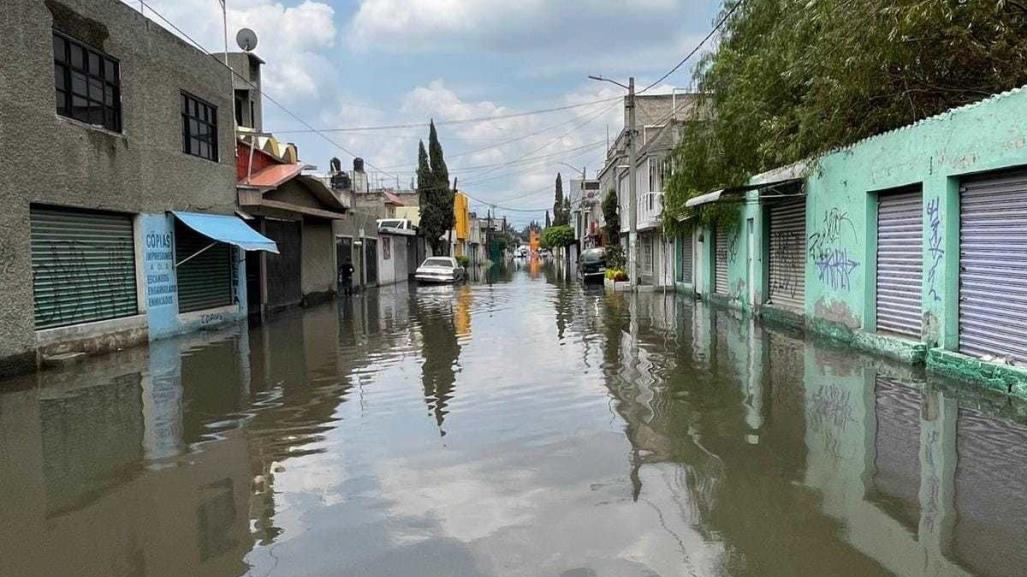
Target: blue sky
(358, 63)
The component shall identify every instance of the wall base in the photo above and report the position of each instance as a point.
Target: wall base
(776, 316)
(900, 349)
(1004, 378)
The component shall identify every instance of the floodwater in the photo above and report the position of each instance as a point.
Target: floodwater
(517, 425)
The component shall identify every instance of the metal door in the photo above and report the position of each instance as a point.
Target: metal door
(900, 262)
(205, 276)
(720, 259)
(283, 270)
(371, 260)
(687, 254)
(344, 263)
(83, 266)
(787, 266)
(993, 266)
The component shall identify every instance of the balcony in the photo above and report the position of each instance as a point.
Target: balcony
(650, 210)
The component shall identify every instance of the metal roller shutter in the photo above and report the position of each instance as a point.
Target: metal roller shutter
(720, 261)
(83, 266)
(687, 255)
(284, 270)
(788, 253)
(900, 262)
(204, 281)
(993, 266)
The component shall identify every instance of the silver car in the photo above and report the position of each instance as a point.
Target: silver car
(439, 269)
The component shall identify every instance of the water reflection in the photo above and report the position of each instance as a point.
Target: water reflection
(583, 433)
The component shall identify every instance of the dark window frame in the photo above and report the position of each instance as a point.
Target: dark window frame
(87, 83)
(199, 127)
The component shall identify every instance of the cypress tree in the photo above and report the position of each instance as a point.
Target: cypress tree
(558, 216)
(436, 197)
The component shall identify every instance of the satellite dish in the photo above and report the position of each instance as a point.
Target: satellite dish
(246, 39)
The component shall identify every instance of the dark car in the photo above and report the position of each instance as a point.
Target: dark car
(592, 265)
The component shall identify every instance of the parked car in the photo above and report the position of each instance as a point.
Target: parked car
(395, 224)
(592, 265)
(439, 269)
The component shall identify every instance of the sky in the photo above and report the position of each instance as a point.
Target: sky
(345, 65)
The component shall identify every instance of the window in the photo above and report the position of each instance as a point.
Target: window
(199, 128)
(86, 83)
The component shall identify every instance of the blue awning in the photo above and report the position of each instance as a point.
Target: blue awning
(227, 229)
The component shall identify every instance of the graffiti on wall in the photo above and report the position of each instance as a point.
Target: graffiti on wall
(835, 264)
(69, 275)
(934, 248)
(732, 246)
(159, 261)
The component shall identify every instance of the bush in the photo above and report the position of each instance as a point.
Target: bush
(615, 258)
(616, 275)
(463, 261)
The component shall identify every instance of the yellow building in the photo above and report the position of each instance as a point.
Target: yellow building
(462, 228)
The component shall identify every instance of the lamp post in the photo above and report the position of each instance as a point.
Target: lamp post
(632, 185)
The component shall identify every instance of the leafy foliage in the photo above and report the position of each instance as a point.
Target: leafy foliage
(612, 217)
(434, 194)
(615, 257)
(557, 236)
(793, 79)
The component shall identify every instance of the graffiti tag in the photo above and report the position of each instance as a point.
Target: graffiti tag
(785, 249)
(71, 276)
(836, 267)
(934, 249)
(831, 226)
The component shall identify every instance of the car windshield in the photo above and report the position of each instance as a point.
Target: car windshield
(593, 256)
(444, 262)
(391, 224)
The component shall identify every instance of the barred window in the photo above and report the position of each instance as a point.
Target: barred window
(199, 128)
(86, 83)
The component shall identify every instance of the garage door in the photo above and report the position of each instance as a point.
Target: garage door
(83, 266)
(900, 262)
(720, 261)
(993, 266)
(788, 253)
(284, 269)
(687, 256)
(205, 275)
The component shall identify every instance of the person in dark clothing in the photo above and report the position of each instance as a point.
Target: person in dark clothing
(346, 278)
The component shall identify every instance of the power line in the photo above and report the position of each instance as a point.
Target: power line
(697, 48)
(260, 90)
(480, 119)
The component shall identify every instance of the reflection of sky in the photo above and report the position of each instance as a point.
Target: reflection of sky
(532, 473)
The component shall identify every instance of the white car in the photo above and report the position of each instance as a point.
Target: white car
(439, 269)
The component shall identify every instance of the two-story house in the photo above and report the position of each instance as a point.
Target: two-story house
(119, 197)
(658, 122)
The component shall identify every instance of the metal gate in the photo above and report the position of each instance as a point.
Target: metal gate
(371, 260)
(284, 269)
(993, 266)
(205, 279)
(787, 285)
(687, 256)
(720, 248)
(344, 263)
(900, 262)
(83, 266)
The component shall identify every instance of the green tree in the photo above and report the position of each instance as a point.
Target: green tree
(436, 198)
(556, 236)
(611, 215)
(792, 79)
(548, 221)
(558, 215)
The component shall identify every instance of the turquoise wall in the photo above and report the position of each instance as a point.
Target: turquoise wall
(841, 210)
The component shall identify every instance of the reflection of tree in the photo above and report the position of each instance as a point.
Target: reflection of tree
(441, 351)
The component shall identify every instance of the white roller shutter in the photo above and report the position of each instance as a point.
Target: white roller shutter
(721, 256)
(900, 230)
(788, 253)
(687, 250)
(993, 266)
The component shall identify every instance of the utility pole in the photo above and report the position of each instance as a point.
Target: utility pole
(632, 189)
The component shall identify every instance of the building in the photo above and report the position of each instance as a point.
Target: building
(586, 212)
(658, 122)
(119, 187)
(461, 232)
(907, 244)
(356, 236)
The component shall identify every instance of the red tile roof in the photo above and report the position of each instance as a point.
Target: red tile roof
(272, 176)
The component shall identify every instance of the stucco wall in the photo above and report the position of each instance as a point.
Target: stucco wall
(54, 160)
(318, 257)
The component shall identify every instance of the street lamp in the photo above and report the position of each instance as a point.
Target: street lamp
(632, 185)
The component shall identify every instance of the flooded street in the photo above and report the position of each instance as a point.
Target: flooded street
(516, 425)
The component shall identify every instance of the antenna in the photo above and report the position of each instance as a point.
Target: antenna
(246, 39)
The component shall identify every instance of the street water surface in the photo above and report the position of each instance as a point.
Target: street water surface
(517, 425)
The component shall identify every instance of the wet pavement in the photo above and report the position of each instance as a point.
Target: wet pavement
(517, 425)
